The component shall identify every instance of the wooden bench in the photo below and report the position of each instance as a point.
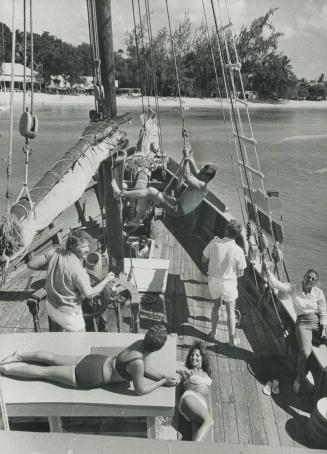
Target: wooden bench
(45, 399)
(318, 359)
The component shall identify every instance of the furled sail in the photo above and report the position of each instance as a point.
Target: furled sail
(64, 183)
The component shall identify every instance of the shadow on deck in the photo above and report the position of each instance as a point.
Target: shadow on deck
(242, 413)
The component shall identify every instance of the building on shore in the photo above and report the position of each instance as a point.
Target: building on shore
(5, 77)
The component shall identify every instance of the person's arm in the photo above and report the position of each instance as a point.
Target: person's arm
(136, 369)
(89, 292)
(282, 286)
(190, 168)
(154, 374)
(190, 178)
(206, 254)
(322, 311)
(241, 265)
(39, 262)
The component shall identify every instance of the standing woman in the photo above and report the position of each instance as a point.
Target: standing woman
(310, 307)
(196, 380)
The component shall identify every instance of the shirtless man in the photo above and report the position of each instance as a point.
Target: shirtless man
(197, 181)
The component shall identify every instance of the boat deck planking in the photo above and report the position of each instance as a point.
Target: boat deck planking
(241, 412)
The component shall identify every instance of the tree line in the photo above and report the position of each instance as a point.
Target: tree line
(266, 70)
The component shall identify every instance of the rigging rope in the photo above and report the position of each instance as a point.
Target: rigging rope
(3, 59)
(233, 114)
(138, 60)
(95, 55)
(153, 65)
(25, 58)
(11, 127)
(222, 109)
(263, 250)
(143, 48)
(32, 56)
(179, 95)
(175, 66)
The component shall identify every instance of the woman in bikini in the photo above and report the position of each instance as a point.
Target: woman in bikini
(196, 379)
(94, 370)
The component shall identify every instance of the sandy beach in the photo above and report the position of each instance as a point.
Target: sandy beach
(45, 99)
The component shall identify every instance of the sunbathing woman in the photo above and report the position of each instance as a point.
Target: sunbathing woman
(196, 381)
(94, 370)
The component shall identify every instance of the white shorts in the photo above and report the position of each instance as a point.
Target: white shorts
(223, 288)
(72, 321)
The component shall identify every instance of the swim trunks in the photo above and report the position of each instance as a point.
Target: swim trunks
(89, 371)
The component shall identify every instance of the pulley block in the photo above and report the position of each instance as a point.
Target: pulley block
(28, 125)
(98, 92)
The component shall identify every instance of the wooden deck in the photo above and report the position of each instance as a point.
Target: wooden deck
(242, 413)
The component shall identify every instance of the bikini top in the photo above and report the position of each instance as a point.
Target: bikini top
(198, 380)
(120, 367)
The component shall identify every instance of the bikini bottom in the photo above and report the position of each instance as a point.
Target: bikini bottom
(197, 396)
(89, 371)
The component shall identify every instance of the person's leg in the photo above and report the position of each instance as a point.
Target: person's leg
(40, 356)
(64, 375)
(303, 334)
(199, 416)
(143, 193)
(231, 322)
(215, 316)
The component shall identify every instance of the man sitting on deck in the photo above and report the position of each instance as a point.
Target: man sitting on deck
(141, 248)
(67, 282)
(197, 181)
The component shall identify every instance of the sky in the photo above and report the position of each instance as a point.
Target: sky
(303, 23)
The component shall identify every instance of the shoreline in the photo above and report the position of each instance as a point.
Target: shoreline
(45, 99)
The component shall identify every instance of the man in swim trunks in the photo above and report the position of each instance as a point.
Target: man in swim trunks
(67, 282)
(226, 263)
(197, 181)
(95, 370)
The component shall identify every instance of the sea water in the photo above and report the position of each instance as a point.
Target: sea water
(291, 148)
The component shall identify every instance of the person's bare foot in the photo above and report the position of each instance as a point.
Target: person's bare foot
(115, 189)
(15, 357)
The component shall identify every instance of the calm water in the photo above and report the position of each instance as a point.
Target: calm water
(292, 153)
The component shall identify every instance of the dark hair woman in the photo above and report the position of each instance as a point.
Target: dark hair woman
(196, 379)
(94, 370)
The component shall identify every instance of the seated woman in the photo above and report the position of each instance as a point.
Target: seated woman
(310, 307)
(94, 370)
(196, 381)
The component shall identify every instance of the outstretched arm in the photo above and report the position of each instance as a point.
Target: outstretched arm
(187, 150)
(87, 291)
(282, 286)
(140, 385)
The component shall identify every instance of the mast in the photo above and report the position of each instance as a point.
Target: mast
(113, 216)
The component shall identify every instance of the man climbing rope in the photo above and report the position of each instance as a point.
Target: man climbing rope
(197, 181)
